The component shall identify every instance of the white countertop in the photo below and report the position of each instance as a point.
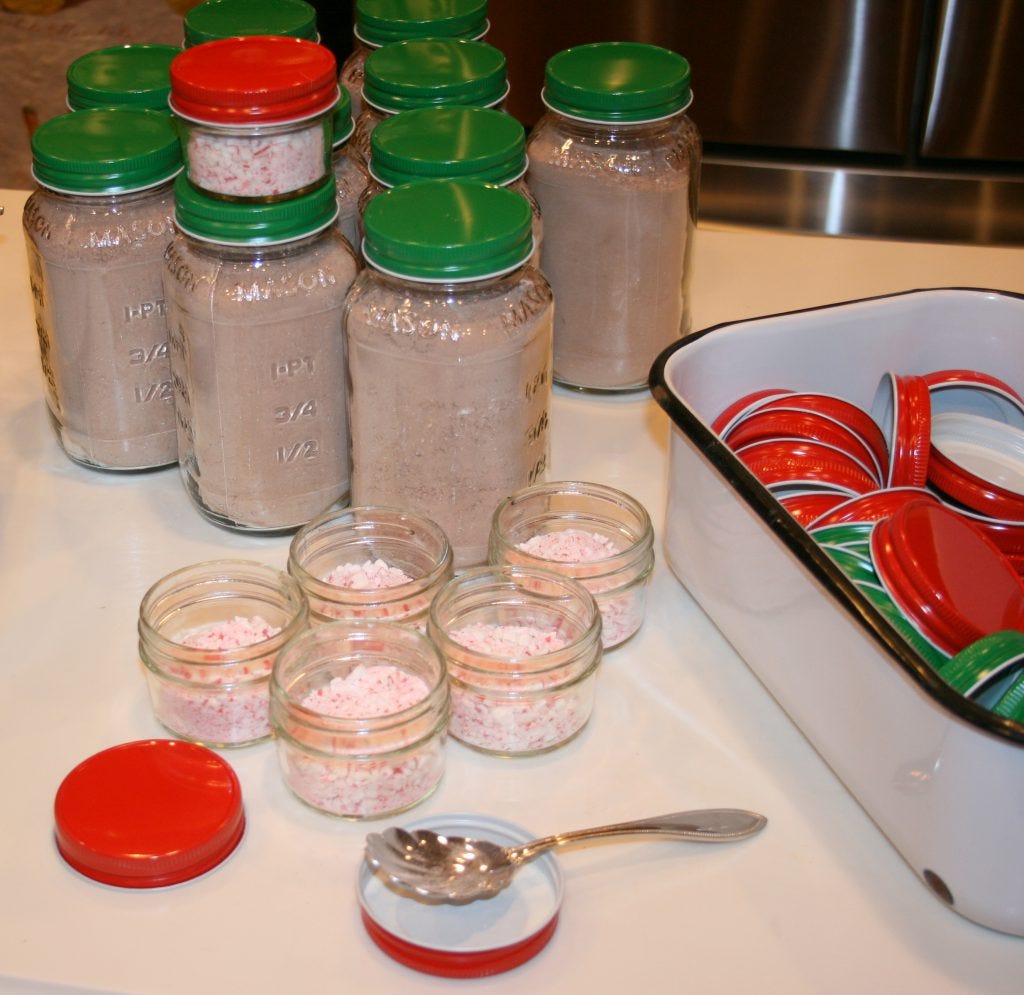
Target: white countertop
(818, 903)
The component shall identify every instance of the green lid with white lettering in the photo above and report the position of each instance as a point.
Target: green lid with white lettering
(627, 82)
(216, 19)
(448, 142)
(136, 75)
(447, 230)
(379, 22)
(226, 222)
(105, 150)
(426, 71)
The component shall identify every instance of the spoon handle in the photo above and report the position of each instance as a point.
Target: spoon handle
(709, 825)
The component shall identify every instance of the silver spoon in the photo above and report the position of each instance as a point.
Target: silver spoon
(461, 869)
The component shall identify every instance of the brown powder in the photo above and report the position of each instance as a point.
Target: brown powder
(95, 266)
(259, 377)
(617, 228)
(450, 391)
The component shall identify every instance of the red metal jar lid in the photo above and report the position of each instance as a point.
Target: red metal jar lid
(471, 940)
(149, 813)
(253, 80)
(945, 575)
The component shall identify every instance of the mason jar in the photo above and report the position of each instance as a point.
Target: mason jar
(95, 231)
(598, 535)
(255, 293)
(255, 115)
(614, 165)
(122, 75)
(360, 714)
(448, 317)
(208, 637)
(213, 20)
(370, 563)
(451, 142)
(379, 22)
(350, 175)
(424, 72)
(522, 648)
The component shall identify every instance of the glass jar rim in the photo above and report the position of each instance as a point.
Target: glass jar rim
(177, 582)
(374, 632)
(641, 547)
(505, 577)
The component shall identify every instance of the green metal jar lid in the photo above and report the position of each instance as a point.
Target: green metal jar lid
(210, 219)
(134, 75)
(448, 142)
(617, 81)
(342, 123)
(425, 71)
(379, 22)
(103, 150)
(447, 230)
(217, 19)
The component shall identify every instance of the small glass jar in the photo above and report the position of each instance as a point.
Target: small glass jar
(446, 314)
(522, 649)
(380, 22)
(255, 115)
(451, 142)
(255, 294)
(360, 712)
(217, 19)
(370, 563)
(208, 637)
(122, 76)
(595, 534)
(95, 231)
(614, 163)
(425, 72)
(350, 175)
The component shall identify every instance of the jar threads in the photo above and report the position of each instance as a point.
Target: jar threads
(371, 543)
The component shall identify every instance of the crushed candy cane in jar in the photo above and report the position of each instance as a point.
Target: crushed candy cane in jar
(354, 783)
(256, 166)
(223, 703)
(370, 575)
(622, 612)
(512, 712)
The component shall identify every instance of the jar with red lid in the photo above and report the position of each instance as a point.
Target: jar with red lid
(255, 115)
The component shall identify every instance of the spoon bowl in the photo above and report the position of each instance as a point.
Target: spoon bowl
(461, 869)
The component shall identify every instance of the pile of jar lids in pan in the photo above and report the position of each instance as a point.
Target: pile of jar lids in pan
(920, 501)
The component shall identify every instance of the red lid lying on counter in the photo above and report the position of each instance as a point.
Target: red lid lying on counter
(149, 813)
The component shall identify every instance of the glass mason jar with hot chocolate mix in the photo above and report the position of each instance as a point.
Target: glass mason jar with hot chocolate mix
(95, 230)
(614, 165)
(254, 297)
(380, 22)
(449, 355)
